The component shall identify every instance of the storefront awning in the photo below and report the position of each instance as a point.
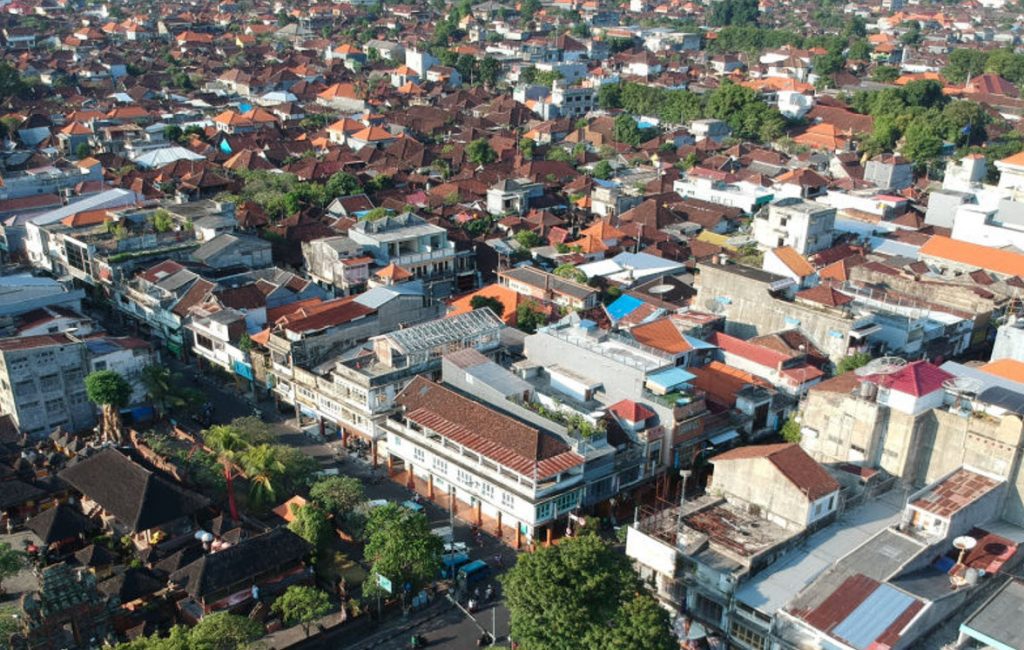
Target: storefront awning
(723, 438)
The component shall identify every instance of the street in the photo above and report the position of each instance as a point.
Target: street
(444, 626)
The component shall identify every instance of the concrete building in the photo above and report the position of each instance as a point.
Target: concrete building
(1009, 342)
(337, 263)
(42, 383)
(889, 172)
(722, 188)
(802, 225)
(356, 392)
(512, 196)
(549, 288)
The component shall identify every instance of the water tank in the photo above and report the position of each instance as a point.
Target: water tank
(868, 390)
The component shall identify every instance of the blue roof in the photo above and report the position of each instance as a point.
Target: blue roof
(622, 307)
(873, 616)
(697, 344)
(605, 184)
(669, 379)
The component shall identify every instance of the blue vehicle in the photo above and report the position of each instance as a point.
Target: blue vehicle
(451, 562)
(412, 505)
(474, 572)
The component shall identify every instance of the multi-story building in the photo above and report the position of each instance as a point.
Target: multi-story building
(358, 391)
(520, 475)
(547, 287)
(802, 225)
(42, 383)
(722, 188)
(419, 247)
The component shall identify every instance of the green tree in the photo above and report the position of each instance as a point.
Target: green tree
(162, 220)
(264, 469)
(526, 148)
(609, 96)
(734, 12)
(964, 63)
(162, 388)
(627, 131)
(83, 150)
(1007, 64)
(640, 623)
(111, 392)
(479, 152)
(828, 64)
(528, 239)
(11, 83)
(885, 74)
(489, 71)
(173, 132)
(301, 605)
(852, 362)
(579, 594)
(401, 547)
(529, 317)
(11, 563)
(603, 170)
(224, 631)
(859, 51)
(922, 143)
(570, 272)
(311, 524)
(558, 154)
(342, 184)
(790, 430)
(338, 495)
(227, 442)
(495, 305)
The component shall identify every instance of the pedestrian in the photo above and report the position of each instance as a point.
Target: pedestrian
(10, 525)
(498, 560)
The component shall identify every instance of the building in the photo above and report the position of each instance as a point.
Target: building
(419, 247)
(512, 196)
(889, 172)
(765, 501)
(516, 474)
(42, 383)
(722, 188)
(337, 263)
(549, 288)
(356, 392)
(802, 225)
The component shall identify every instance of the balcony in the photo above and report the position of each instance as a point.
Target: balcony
(445, 252)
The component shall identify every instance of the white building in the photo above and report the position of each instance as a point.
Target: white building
(802, 225)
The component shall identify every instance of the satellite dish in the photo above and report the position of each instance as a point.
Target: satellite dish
(660, 289)
(963, 385)
(881, 366)
(964, 543)
(714, 306)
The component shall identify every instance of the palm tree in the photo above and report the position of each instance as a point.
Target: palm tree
(228, 443)
(160, 382)
(263, 467)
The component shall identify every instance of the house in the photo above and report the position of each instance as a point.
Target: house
(951, 257)
(227, 251)
(801, 225)
(549, 288)
(512, 196)
(785, 261)
(889, 172)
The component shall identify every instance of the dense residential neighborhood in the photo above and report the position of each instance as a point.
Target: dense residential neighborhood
(545, 324)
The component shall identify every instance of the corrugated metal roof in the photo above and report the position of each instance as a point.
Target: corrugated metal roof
(873, 616)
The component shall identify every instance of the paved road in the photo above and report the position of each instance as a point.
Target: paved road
(447, 628)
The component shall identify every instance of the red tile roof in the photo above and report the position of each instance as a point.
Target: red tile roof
(29, 342)
(793, 462)
(502, 438)
(630, 411)
(661, 334)
(955, 492)
(335, 312)
(917, 379)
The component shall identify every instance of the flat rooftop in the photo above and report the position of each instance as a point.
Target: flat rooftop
(954, 493)
(733, 530)
(998, 621)
(772, 588)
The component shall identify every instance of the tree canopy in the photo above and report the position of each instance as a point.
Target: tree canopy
(339, 495)
(401, 547)
(581, 593)
(734, 12)
(480, 302)
(217, 631)
(11, 562)
(301, 605)
(111, 392)
(479, 152)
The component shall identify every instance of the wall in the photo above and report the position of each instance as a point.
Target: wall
(757, 481)
(751, 311)
(1009, 342)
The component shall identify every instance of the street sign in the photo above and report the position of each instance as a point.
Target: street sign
(384, 583)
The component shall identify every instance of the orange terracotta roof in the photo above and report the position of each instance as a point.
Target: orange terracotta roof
(794, 261)
(508, 298)
(662, 334)
(996, 260)
(393, 272)
(85, 218)
(603, 229)
(1006, 368)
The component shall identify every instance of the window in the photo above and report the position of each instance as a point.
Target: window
(487, 490)
(543, 511)
(464, 477)
(508, 500)
(441, 465)
(747, 637)
(708, 610)
(418, 454)
(566, 501)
